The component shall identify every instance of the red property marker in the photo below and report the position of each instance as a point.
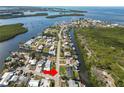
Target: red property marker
(52, 72)
(46, 72)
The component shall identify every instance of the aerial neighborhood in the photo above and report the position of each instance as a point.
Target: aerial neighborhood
(49, 59)
(51, 51)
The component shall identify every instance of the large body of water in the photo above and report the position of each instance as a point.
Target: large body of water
(37, 24)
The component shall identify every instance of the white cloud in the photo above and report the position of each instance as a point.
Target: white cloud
(61, 2)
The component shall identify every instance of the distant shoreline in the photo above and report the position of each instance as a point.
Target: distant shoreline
(62, 15)
(18, 16)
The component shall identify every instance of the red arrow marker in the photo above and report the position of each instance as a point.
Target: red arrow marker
(46, 72)
(52, 72)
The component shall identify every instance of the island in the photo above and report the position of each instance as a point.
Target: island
(18, 15)
(9, 31)
(62, 15)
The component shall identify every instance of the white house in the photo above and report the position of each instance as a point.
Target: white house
(14, 78)
(33, 83)
(47, 65)
(33, 61)
(29, 42)
(72, 83)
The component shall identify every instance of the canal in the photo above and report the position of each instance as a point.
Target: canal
(82, 68)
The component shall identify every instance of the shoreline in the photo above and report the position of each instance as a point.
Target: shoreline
(11, 16)
(63, 15)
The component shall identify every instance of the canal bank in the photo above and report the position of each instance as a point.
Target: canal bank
(82, 68)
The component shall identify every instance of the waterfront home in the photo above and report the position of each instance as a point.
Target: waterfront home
(72, 83)
(39, 37)
(44, 37)
(77, 62)
(28, 43)
(33, 83)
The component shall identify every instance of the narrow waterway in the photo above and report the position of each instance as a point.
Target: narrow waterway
(83, 71)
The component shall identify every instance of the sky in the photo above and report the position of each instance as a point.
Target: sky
(61, 2)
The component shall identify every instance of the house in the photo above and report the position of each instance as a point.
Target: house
(47, 65)
(40, 63)
(33, 61)
(44, 37)
(33, 83)
(67, 54)
(67, 61)
(52, 52)
(39, 37)
(5, 78)
(45, 83)
(66, 43)
(77, 62)
(72, 83)
(29, 42)
(14, 78)
(39, 67)
(52, 47)
(24, 79)
(40, 47)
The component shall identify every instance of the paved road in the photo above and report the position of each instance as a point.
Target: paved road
(57, 79)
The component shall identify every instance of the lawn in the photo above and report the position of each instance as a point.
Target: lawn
(62, 70)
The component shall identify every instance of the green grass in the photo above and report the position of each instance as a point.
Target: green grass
(62, 70)
(10, 31)
(107, 46)
(76, 74)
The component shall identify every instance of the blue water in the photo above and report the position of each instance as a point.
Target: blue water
(37, 24)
